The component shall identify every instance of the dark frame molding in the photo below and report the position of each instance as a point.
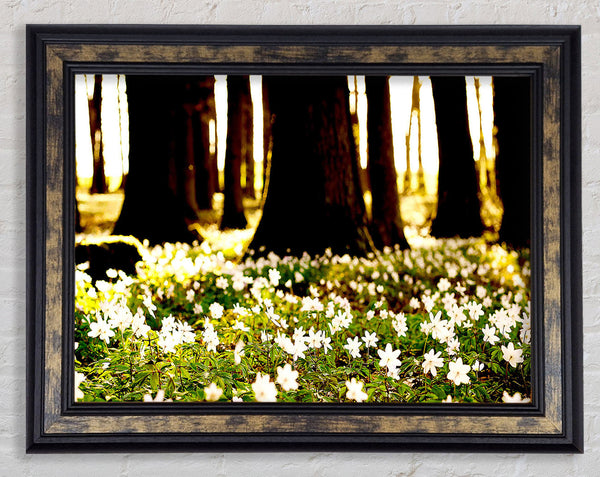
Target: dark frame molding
(550, 55)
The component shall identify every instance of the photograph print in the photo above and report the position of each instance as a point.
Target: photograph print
(302, 239)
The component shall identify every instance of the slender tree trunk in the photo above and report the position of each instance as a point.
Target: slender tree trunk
(387, 228)
(248, 139)
(416, 109)
(206, 167)
(458, 210)
(267, 137)
(512, 108)
(151, 209)
(233, 207)
(314, 200)
(95, 107)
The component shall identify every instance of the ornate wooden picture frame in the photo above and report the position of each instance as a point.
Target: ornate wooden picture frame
(549, 55)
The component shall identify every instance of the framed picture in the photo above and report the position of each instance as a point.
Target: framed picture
(291, 238)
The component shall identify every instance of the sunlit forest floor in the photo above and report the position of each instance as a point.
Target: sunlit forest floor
(99, 212)
(447, 320)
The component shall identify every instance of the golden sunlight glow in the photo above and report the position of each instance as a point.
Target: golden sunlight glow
(115, 126)
(484, 107)
(111, 132)
(405, 128)
(83, 145)
(257, 118)
(221, 112)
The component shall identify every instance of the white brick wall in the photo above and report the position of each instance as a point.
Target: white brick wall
(14, 14)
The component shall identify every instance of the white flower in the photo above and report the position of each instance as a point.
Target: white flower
(477, 366)
(189, 295)
(453, 345)
(160, 397)
(326, 344)
(139, 326)
(264, 389)
(489, 334)
(238, 352)
(274, 317)
(370, 339)
(79, 378)
(389, 357)
(147, 301)
(286, 377)
(458, 372)
(210, 337)
(399, 325)
(212, 392)
(101, 329)
(512, 355)
(355, 391)
(432, 361)
(353, 346)
(428, 302)
(216, 310)
(315, 339)
(298, 349)
(239, 325)
(516, 398)
(443, 284)
(274, 277)
(240, 310)
(222, 283)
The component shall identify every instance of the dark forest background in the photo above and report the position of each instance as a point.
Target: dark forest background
(313, 186)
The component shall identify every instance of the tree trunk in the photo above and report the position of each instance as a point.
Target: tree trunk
(267, 137)
(207, 177)
(248, 139)
(233, 206)
(458, 210)
(512, 109)
(95, 107)
(152, 209)
(314, 200)
(386, 224)
(416, 107)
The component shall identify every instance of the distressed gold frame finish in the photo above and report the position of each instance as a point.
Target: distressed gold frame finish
(548, 54)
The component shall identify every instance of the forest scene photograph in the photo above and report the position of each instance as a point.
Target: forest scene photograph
(302, 239)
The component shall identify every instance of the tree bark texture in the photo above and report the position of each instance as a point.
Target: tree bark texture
(95, 108)
(387, 228)
(233, 206)
(458, 210)
(314, 200)
(207, 175)
(152, 208)
(512, 109)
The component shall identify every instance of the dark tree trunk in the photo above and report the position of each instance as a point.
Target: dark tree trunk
(207, 177)
(152, 209)
(182, 151)
(512, 109)
(267, 137)
(78, 227)
(386, 224)
(95, 108)
(416, 108)
(233, 206)
(458, 210)
(248, 140)
(314, 200)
